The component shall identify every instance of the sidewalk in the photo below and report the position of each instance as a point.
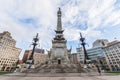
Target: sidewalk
(56, 74)
(59, 76)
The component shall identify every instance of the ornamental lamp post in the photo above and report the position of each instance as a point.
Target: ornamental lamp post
(30, 61)
(84, 49)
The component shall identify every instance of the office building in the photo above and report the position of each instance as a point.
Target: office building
(112, 55)
(39, 56)
(9, 54)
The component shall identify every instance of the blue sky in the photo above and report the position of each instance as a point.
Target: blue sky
(96, 19)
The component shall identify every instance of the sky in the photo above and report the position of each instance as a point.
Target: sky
(95, 19)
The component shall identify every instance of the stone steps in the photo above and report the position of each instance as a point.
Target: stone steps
(56, 68)
(59, 68)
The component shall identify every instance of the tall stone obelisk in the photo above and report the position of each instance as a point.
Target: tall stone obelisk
(59, 52)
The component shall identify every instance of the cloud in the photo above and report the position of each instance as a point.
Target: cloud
(95, 13)
(25, 18)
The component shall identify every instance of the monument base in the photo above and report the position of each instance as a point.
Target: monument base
(56, 68)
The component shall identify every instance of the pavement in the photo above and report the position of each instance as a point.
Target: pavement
(59, 76)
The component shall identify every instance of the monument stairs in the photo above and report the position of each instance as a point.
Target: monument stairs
(56, 68)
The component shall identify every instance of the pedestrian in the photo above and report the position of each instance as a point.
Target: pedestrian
(98, 69)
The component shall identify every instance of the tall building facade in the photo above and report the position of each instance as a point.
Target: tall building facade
(80, 54)
(26, 55)
(104, 52)
(74, 58)
(94, 52)
(39, 56)
(112, 55)
(9, 54)
(100, 43)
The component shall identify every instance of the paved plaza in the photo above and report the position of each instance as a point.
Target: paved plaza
(59, 76)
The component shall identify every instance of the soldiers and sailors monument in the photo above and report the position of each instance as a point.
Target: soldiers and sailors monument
(59, 52)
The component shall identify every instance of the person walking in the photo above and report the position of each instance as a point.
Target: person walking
(98, 69)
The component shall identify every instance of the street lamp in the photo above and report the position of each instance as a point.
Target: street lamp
(30, 61)
(83, 45)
